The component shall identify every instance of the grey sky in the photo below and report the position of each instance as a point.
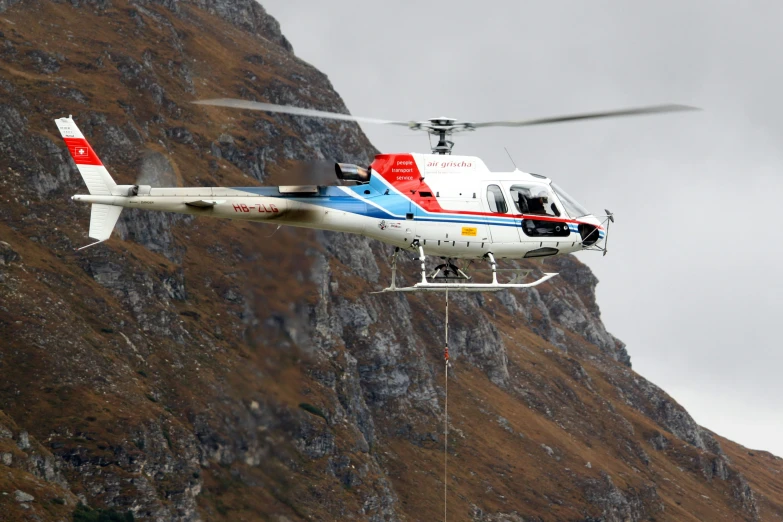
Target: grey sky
(691, 282)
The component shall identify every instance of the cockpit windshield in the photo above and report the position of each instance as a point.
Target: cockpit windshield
(574, 209)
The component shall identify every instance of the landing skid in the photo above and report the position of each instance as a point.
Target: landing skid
(449, 272)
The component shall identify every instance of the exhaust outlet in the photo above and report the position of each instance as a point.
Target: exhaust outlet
(350, 172)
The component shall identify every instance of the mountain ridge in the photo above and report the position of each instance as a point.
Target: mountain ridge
(199, 369)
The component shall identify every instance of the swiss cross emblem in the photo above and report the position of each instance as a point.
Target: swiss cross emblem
(81, 151)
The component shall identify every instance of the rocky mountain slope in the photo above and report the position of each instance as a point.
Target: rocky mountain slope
(195, 369)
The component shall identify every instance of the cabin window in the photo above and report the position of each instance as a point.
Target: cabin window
(497, 203)
(534, 199)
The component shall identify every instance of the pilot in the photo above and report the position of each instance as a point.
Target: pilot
(551, 210)
(538, 203)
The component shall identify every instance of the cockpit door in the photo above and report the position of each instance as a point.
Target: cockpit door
(504, 226)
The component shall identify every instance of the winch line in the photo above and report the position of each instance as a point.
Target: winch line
(446, 417)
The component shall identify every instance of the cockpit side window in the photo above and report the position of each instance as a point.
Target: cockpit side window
(497, 203)
(534, 199)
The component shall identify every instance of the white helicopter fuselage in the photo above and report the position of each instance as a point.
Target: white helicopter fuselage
(453, 217)
(447, 206)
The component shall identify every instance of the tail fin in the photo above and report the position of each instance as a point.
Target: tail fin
(98, 180)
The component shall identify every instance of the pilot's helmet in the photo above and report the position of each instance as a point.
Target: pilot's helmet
(543, 195)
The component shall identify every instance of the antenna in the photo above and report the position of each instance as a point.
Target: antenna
(512, 159)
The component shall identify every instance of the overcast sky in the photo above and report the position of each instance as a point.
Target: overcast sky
(691, 282)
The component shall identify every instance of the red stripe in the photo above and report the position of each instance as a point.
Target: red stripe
(81, 152)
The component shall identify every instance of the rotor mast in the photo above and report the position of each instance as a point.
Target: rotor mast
(442, 127)
(443, 146)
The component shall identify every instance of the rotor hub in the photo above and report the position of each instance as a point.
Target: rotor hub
(443, 120)
(442, 127)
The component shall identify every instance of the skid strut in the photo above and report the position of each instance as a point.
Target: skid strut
(494, 268)
(394, 269)
(423, 258)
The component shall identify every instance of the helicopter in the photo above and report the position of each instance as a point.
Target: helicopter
(437, 204)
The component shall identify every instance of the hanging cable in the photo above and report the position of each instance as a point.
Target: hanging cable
(446, 417)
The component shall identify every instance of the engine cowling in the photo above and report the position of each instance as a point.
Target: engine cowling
(350, 172)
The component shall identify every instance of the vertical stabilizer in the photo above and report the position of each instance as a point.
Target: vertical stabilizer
(98, 180)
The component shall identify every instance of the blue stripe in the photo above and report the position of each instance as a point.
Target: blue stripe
(395, 205)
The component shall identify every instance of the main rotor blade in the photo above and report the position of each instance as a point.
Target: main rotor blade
(298, 111)
(655, 109)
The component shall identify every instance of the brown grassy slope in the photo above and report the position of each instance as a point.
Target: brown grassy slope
(763, 471)
(164, 372)
(30, 468)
